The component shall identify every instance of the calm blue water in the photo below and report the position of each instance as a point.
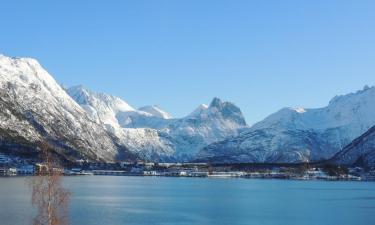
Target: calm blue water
(107, 200)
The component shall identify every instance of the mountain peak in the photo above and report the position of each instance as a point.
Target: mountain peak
(45, 113)
(78, 88)
(216, 102)
(155, 111)
(366, 87)
(84, 96)
(79, 93)
(219, 105)
(219, 109)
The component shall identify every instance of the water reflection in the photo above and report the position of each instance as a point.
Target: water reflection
(150, 200)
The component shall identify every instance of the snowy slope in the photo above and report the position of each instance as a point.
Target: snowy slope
(156, 111)
(353, 113)
(361, 151)
(35, 108)
(134, 129)
(266, 145)
(149, 144)
(184, 137)
(115, 113)
(206, 125)
(332, 128)
(101, 107)
(151, 132)
(96, 126)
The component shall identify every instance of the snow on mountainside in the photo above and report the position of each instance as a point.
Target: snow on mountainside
(331, 128)
(254, 146)
(34, 108)
(353, 111)
(133, 128)
(156, 111)
(215, 123)
(151, 133)
(149, 144)
(101, 107)
(199, 110)
(360, 152)
(114, 112)
(141, 119)
(83, 124)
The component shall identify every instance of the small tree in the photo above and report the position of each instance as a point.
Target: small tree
(48, 194)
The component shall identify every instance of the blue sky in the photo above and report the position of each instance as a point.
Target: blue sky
(261, 55)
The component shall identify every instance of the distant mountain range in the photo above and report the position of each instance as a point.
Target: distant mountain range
(152, 133)
(300, 135)
(82, 124)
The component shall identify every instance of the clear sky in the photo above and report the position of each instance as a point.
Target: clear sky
(261, 55)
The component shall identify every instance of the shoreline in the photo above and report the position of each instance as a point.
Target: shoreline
(356, 179)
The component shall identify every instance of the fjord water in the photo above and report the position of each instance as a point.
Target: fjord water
(99, 200)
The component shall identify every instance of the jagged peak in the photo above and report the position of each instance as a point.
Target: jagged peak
(216, 102)
(220, 108)
(219, 104)
(216, 105)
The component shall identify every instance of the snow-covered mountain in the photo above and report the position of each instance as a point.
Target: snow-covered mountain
(264, 145)
(206, 125)
(156, 111)
(360, 152)
(83, 124)
(135, 129)
(153, 134)
(101, 108)
(34, 109)
(294, 135)
(115, 113)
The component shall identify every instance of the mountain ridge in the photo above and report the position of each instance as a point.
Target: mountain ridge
(81, 123)
(331, 128)
(155, 135)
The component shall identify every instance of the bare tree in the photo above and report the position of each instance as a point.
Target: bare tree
(48, 194)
